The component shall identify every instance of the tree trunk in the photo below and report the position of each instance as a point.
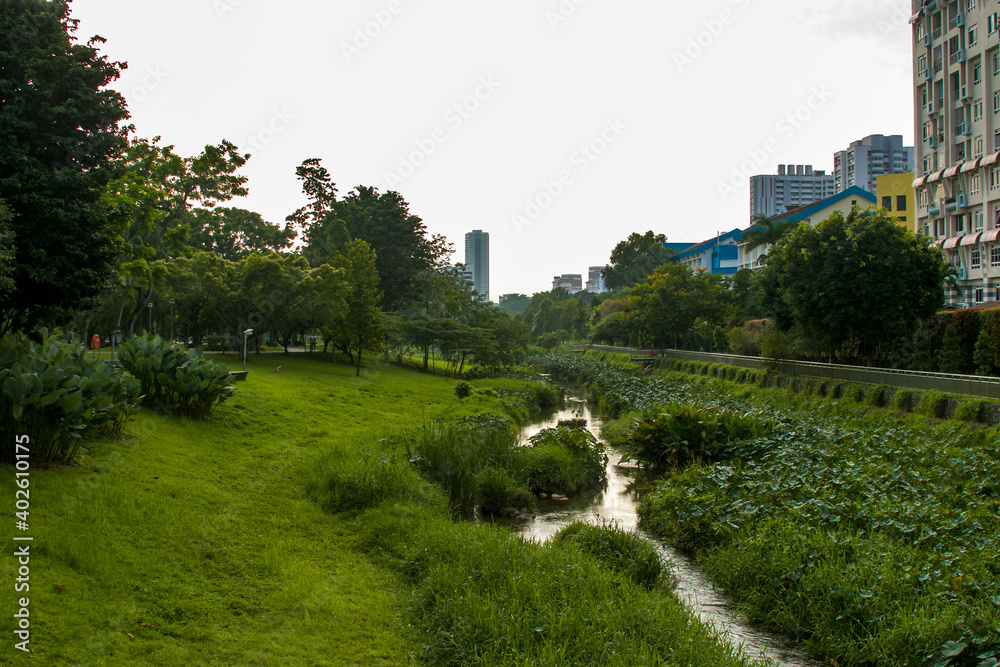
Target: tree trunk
(358, 373)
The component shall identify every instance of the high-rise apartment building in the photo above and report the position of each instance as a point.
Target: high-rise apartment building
(793, 186)
(571, 282)
(956, 66)
(867, 159)
(477, 261)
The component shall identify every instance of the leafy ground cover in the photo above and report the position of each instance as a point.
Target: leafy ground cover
(871, 536)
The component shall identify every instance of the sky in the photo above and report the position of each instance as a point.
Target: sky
(557, 126)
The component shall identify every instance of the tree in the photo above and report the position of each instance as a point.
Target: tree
(6, 252)
(669, 302)
(60, 135)
(360, 324)
(515, 304)
(765, 231)
(156, 195)
(635, 258)
(235, 233)
(852, 285)
(949, 358)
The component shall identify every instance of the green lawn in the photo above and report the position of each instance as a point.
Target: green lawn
(193, 543)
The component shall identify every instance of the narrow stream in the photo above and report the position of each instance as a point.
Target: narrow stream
(617, 503)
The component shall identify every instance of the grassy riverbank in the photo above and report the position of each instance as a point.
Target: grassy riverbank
(196, 543)
(868, 533)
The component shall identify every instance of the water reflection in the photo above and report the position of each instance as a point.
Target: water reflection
(616, 503)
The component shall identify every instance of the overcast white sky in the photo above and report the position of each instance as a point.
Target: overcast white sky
(558, 126)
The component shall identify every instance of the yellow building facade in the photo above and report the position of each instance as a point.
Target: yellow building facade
(896, 195)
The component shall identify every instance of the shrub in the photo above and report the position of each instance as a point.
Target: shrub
(875, 396)
(174, 379)
(933, 404)
(565, 460)
(903, 400)
(619, 550)
(677, 435)
(500, 494)
(969, 410)
(463, 389)
(56, 395)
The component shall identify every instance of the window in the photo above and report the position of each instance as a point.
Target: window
(996, 63)
(973, 32)
(996, 102)
(977, 72)
(977, 109)
(977, 147)
(959, 223)
(927, 130)
(921, 65)
(927, 165)
(994, 178)
(972, 5)
(977, 221)
(996, 140)
(887, 203)
(976, 260)
(991, 23)
(975, 184)
(978, 294)
(922, 198)
(995, 257)
(900, 202)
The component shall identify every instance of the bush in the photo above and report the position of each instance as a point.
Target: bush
(463, 389)
(677, 435)
(56, 395)
(933, 404)
(619, 550)
(176, 380)
(564, 460)
(500, 494)
(969, 410)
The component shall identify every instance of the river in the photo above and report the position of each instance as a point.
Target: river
(617, 503)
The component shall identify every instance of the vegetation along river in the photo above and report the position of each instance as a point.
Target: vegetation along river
(617, 503)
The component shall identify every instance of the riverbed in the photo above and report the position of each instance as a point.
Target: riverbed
(616, 504)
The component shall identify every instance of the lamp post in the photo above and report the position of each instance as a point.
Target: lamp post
(246, 336)
(171, 320)
(150, 304)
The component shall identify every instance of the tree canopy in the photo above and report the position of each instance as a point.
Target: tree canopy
(635, 258)
(60, 135)
(854, 283)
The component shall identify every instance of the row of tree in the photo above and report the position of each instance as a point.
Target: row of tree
(96, 225)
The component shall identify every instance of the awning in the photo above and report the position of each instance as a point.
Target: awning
(991, 236)
(971, 165)
(970, 239)
(936, 176)
(920, 181)
(992, 158)
(951, 243)
(916, 17)
(952, 172)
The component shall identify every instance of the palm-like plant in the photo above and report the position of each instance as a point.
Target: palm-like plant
(765, 231)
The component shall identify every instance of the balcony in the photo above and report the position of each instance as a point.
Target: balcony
(950, 205)
(933, 210)
(928, 40)
(956, 21)
(957, 57)
(963, 129)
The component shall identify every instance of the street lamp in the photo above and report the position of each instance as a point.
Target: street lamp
(246, 335)
(150, 304)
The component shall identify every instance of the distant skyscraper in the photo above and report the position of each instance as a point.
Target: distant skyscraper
(477, 261)
(867, 159)
(794, 186)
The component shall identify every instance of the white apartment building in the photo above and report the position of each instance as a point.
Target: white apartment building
(792, 187)
(956, 65)
(867, 159)
(477, 261)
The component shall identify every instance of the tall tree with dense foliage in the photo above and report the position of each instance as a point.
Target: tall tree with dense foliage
(360, 325)
(60, 135)
(635, 258)
(669, 302)
(766, 231)
(235, 233)
(853, 284)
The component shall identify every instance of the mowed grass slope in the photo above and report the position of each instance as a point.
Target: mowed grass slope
(192, 543)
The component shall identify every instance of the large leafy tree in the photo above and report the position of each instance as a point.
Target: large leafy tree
(235, 233)
(853, 284)
(669, 302)
(359, 327)
(635, 258)
(157, 195)
(402, 246)
(60, 134)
